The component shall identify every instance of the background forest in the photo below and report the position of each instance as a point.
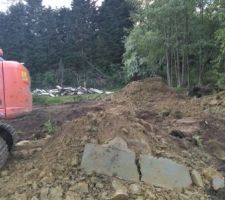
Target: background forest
(122, 40)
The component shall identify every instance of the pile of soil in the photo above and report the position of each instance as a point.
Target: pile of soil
(155, 95)
(151, 117)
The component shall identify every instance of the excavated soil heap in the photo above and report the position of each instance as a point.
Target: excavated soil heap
(148, 115)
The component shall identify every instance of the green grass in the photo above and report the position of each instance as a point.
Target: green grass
(46, 100)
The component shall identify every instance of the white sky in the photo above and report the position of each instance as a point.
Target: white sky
(52, 3)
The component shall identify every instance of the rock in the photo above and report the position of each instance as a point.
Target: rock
(118, 186)
(34, 198)
(44, 193)
(135, 189)
(210, 173)
(125, 131)
(120, 196)
(121, 191)
(81, 188)
(213, 102)
(164, 172)
(110, 161)
(196, 178)
(118, 143)
(56, 193)
(74, 161)
(217, 183)
(23, 143)
(213, 176)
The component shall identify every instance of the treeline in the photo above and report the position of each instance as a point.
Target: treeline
(182, 41)
(123, 40)
(76, 46)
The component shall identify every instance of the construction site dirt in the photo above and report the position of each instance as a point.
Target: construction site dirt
(146, 119)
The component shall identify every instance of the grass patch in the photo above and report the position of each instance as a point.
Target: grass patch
(46, 100)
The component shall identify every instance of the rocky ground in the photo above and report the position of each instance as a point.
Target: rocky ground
(146, 119)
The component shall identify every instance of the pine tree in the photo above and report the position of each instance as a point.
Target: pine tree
(114, 21)
(83, 31)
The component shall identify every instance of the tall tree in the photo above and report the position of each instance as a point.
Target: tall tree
(114, 21)
(83, 30)
(185, 33)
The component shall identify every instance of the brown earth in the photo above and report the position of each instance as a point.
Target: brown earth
(149, 116)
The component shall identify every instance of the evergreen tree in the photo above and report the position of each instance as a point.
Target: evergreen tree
(114, 22)
(83, 31)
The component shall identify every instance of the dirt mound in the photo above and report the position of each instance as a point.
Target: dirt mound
(215, 105)
(146, 114)
(141, 124)
(141, 92)
(154, 95)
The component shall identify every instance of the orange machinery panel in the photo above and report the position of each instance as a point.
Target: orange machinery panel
(15, 93)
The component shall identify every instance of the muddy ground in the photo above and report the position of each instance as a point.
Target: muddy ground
(149, 116)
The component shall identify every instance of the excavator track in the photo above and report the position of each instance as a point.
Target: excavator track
(7, 141)
(4, 152)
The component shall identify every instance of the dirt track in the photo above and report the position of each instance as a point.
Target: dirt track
(149, 116)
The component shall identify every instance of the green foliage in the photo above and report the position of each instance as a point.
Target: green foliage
(221, 81)
(143, 50)
(114, 22)
(182, 41)
(176, 40)
(49, 127)
(67, 46)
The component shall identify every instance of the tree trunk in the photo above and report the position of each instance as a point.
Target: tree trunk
(168, 68)
(178, 69)
(183, 69)
(188, 73)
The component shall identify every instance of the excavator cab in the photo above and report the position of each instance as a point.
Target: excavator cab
(15, 93)
(15, 100)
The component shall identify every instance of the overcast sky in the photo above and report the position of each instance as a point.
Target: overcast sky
(52, 3)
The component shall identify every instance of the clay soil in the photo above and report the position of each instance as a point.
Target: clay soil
(149, 116)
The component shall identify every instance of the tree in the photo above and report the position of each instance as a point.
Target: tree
(186, 37)
(114, 21)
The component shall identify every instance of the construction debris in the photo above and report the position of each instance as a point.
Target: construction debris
(68, 91)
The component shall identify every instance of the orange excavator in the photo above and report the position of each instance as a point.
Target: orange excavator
(15, 100)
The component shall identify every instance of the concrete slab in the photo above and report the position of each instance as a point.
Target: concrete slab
(164, 172)
(110, 161)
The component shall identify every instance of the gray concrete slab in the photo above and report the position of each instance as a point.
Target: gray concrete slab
(164, 172)
(110, 161)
